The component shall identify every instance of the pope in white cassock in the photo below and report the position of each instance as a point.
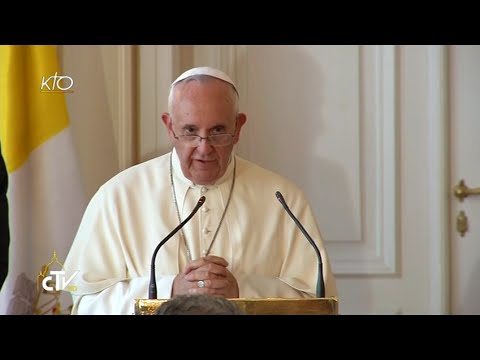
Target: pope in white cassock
(241, 243)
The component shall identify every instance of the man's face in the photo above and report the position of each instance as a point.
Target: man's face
(203, 109)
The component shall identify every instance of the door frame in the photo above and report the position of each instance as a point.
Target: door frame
(439, 180)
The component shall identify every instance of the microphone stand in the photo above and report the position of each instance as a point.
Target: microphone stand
(152, 289)
(320, 284)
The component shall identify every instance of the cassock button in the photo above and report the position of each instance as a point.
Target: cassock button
(204, 190)
(206, 231)
(205, 209)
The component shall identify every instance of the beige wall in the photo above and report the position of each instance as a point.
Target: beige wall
(101, 109)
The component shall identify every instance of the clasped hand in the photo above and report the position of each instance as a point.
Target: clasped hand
(207, 275)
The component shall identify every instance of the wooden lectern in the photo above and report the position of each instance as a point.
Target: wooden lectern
(268, 306)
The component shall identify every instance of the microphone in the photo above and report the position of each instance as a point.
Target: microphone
(152, 288)
(320, 282)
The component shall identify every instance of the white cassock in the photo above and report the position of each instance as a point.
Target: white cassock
(131, 213)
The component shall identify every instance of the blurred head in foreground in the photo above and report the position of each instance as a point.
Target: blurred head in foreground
(199, 304)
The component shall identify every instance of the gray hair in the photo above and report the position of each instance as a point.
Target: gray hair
(199, 304)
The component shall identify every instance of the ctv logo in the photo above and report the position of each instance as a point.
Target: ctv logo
(57, 84)
(61, 282)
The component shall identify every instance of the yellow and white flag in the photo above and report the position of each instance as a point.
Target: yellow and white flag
(45, 192)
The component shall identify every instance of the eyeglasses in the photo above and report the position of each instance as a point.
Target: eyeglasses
(216, 140)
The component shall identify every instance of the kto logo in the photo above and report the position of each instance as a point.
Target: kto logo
(57, 84)
(61, 282)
